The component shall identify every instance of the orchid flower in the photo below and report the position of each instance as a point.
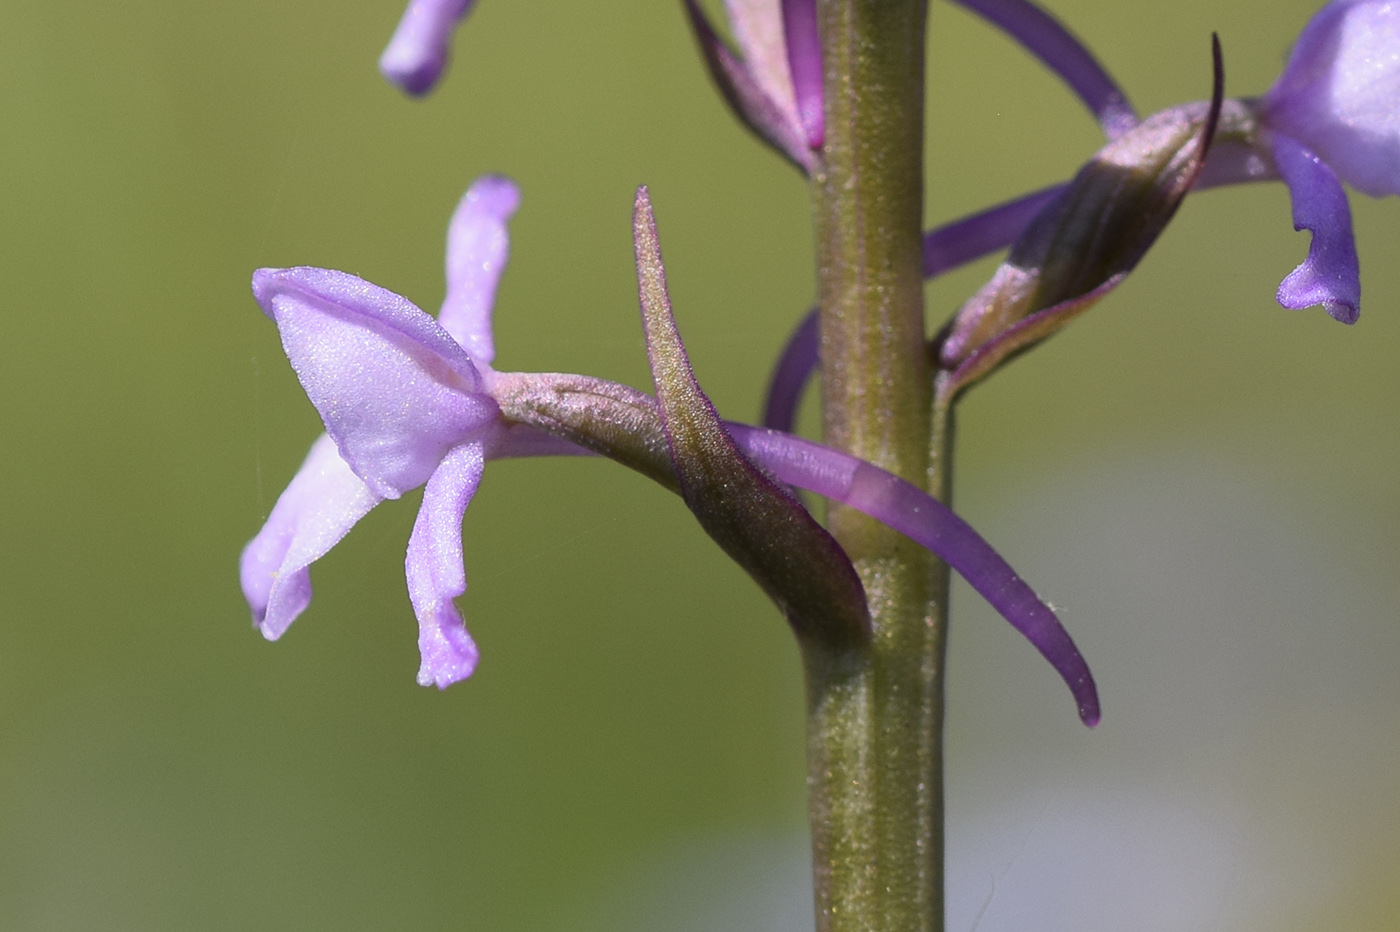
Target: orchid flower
(408, 400)
(1333, 114)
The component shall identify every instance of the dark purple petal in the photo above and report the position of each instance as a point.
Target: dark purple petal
(393, 388)
(795, 365)
(975, 235)
(435, 572)
(760, 107)
(804, 49)
(1330, 275)
(417, 53)
(318, 508)
(899, 505)
(478, 245)
(1043, 36)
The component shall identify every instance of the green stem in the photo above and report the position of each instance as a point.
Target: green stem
(875, 712)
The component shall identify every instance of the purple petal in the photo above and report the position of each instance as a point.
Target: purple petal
(794, 368)
(1043, 36)
(769, 111)
(478, 245)
(804, 50)
(417, 53)
(899, 505)
(945, 249)
(1338, 94)
(320, 505)
(394, 390)
(1330, 275)
(435, 572)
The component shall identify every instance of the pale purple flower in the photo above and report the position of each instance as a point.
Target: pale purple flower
(418, 51)
(404, 404)
(408, 400)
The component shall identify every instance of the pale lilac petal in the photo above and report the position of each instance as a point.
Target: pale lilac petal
(435, 572)
(790, 375)
(395, 391)
(478, 245)
(758, 28)
(899, 505)
(1331, 274)
(1340, 92)
(773, 121)
(945, 249)
(320, 505)
(417, 53)
(804, 50)
(1057, 48)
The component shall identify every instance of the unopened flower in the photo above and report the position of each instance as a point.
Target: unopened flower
(418, 51)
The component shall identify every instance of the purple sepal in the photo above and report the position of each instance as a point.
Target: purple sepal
(804, 51)
(1044, 37)
(790, 375)
(975, 235)
(393, 388)
(1338, 94)
(478, 244)
(318, 508)
(1331, 274)
(765, 107)
(417, 53)
(435, 572)
(912, 512)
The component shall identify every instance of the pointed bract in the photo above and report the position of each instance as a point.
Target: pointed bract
(768, 109)
(759, 524)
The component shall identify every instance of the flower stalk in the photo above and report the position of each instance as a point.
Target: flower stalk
(875, 711)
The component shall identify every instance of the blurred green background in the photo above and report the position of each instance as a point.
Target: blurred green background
(1202, 482)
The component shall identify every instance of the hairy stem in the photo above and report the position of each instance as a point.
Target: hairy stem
(875, 712)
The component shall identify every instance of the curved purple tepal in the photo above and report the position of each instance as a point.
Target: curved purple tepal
(1044, 37)
(804, 49)
(931, 524)
(417, 54)
(1331, 274)
(790, 375)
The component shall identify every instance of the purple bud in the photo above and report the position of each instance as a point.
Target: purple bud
(417, 54)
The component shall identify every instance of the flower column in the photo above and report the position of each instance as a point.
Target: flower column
(875, 712)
